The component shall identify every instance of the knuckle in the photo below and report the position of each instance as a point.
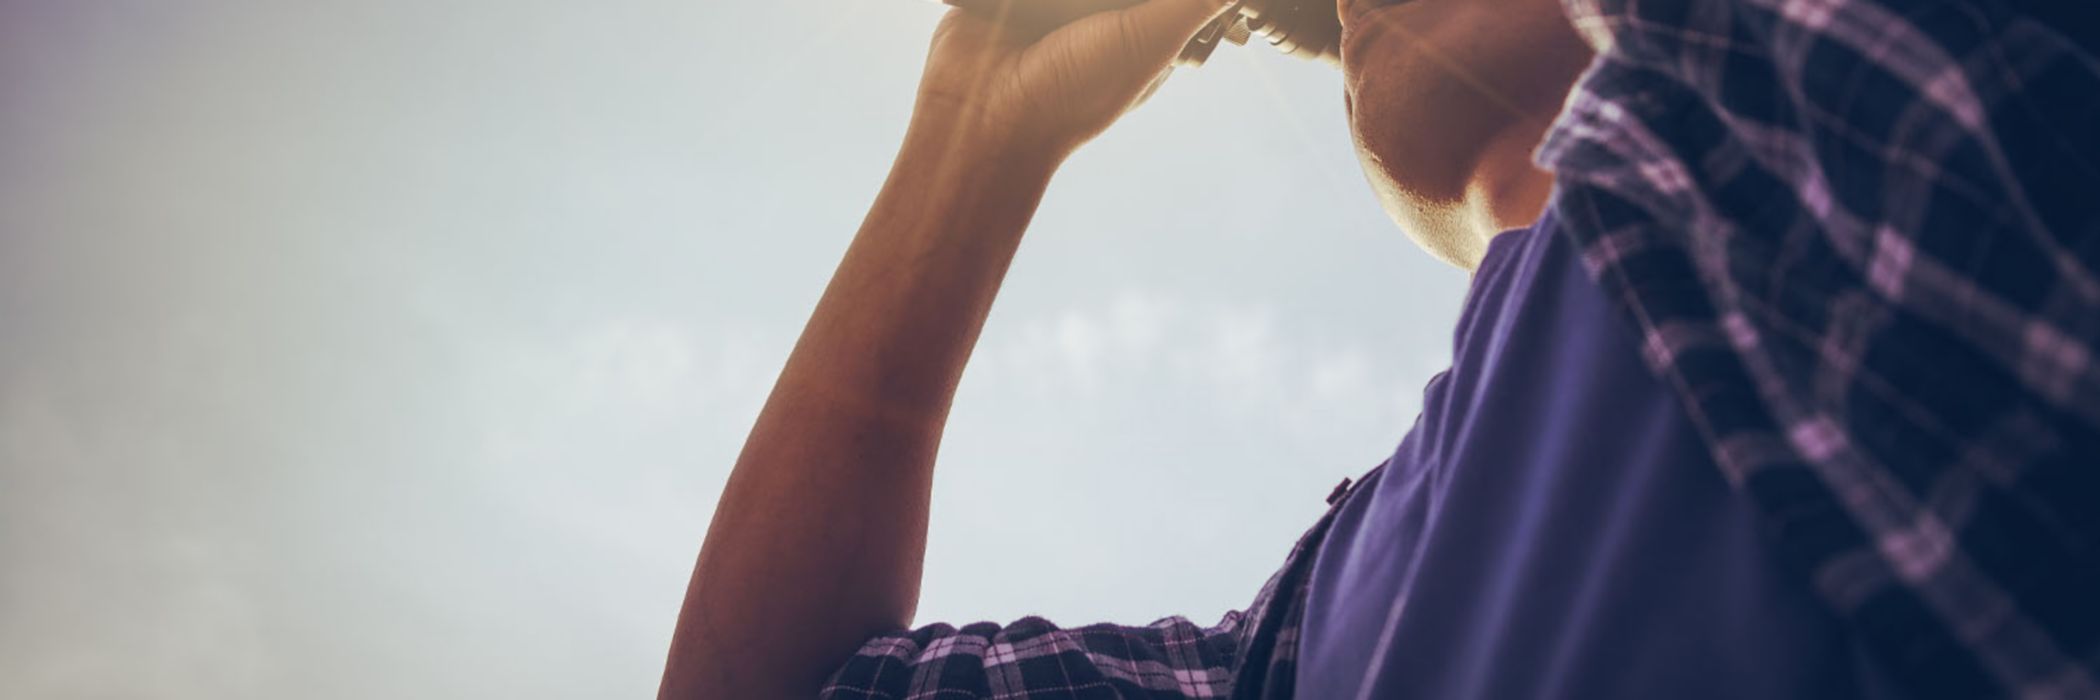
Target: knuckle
(1132, 36)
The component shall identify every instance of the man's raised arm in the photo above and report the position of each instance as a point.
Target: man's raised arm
(818, 540)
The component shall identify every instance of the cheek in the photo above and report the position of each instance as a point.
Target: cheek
(1370, 132)
(1377, 117)
(1416, 131)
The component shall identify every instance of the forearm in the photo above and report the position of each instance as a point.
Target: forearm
(818, 539)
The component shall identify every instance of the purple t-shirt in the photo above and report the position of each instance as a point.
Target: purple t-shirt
(1553, 527)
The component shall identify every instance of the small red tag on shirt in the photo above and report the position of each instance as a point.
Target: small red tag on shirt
(1340, 490)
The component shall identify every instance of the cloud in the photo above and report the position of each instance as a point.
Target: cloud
(1241, 361)
(618, 432)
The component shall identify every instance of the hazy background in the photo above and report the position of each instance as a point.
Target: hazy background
(399, 349)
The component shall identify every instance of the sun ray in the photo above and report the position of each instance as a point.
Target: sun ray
(1448, 63)
(1300, 129)
(988, 50)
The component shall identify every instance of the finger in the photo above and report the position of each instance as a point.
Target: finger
(1141, 36)
(1153, 88)
(1158, 29)
(1177, 19)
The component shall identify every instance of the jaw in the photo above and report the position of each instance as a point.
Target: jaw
(1447, 99)
(1453, 214)
(1434, 219)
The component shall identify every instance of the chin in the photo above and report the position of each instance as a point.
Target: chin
(1429, 84)
(1437, 88)
(1420, 134)
(1438, 225)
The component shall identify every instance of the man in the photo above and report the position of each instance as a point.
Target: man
(1777, 376)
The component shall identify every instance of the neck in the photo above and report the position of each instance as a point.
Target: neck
(1501, 191)
(1506, 192)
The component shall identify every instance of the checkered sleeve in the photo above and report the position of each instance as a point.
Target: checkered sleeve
(1860, 239)
(1248, 655)
(1032, 658)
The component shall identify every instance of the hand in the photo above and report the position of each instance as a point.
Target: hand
(1050, 94)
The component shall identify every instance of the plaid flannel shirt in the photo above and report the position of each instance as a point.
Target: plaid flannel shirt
(1860, 240)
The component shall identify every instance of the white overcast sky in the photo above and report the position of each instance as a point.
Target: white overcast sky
(399, 349)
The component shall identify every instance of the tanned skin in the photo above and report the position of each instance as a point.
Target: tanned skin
(818, 541)
(1447, 99)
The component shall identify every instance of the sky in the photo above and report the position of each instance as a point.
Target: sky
(400, 349)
